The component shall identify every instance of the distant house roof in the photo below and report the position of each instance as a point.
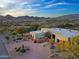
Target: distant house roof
(38, 31)
(64, 32)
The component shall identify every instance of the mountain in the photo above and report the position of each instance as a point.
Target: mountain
(23, 18)
(31, 18)
(68, 17)
(7, 17)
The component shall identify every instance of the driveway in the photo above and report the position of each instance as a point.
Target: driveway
(3, 51)
(37, 51)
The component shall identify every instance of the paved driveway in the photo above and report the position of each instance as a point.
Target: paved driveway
(3, 52)
(37, 51)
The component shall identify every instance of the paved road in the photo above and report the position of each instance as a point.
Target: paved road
(3, 52)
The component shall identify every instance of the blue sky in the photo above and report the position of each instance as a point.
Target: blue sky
(46, 8)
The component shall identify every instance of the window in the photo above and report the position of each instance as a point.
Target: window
(58, 40)
(53, 36)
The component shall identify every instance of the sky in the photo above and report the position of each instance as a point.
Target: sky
(40, 8)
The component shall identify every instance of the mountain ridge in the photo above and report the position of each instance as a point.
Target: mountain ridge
(33, 18)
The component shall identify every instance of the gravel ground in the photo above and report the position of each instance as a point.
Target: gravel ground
(37, 51)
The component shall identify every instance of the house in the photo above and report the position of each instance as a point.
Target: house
(37, 36)
(60, 34)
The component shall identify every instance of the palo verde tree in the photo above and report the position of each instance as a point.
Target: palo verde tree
(71, 48)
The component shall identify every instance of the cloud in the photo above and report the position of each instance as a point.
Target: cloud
(55, 4)
(29, 1)
(20, 12)
(24, 7)
(4, 3)
(36, 4)
(17, 7)
(2, 11)
(48, 6)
